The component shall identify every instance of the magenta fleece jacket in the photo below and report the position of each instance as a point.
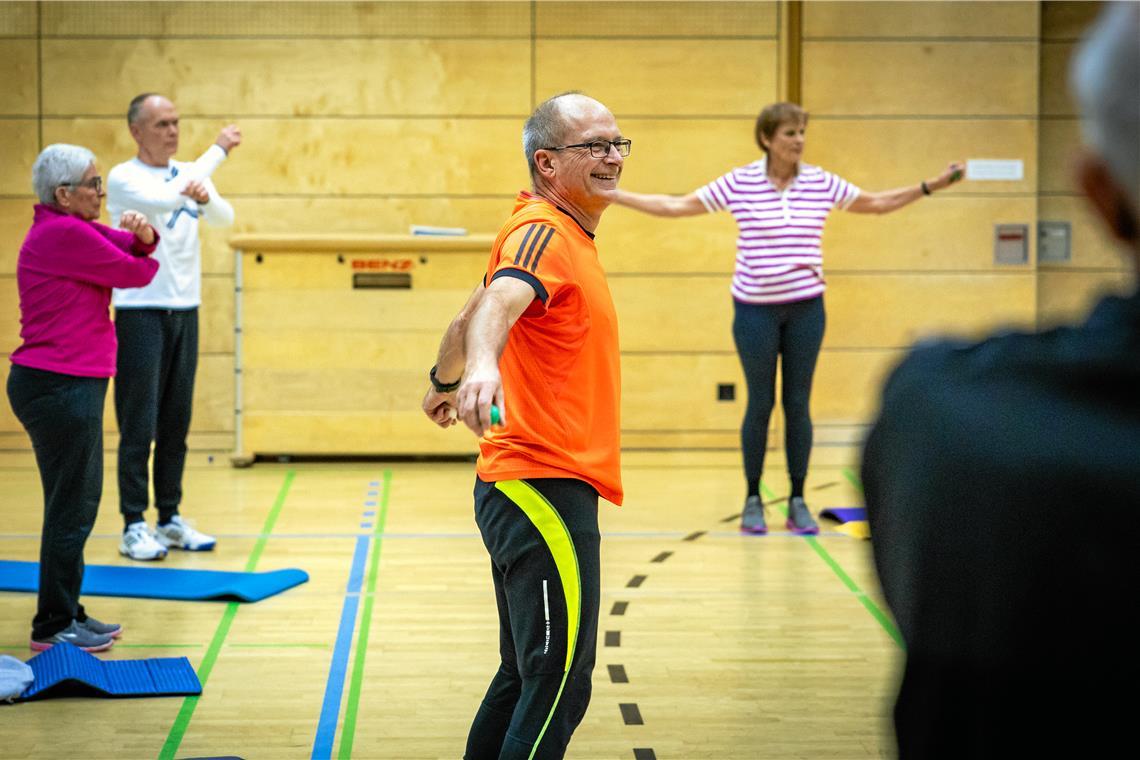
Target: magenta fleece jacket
(65, 273)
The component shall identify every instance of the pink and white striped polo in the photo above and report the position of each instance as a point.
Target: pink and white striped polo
(778, 255)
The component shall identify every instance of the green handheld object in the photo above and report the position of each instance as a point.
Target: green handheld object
(957, 175)
(496, 418)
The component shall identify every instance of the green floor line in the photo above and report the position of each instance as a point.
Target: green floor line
(120, 645)
(182, 721)
(868, 603)
(852, 478)
(348, 731)
(313, 645)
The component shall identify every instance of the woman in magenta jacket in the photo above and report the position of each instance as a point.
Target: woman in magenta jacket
(67, 267)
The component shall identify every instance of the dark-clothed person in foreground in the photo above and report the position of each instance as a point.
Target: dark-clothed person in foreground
(1002, 481)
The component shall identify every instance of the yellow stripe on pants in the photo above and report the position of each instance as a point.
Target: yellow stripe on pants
(553, 531)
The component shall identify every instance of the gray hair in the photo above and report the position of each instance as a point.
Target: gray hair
(59, 164)
(544, 128)
(1104, 79)
(134, 110)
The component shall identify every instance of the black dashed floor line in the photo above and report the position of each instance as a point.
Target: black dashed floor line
(618, 674)
(694, 535)
(662, 557)
(630, 714)
(642, 753)
(635, 581)
(613, 638)
(619, 608)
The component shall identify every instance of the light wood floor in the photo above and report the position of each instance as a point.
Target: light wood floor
(731, 646)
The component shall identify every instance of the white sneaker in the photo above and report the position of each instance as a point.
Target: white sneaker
(138, 543)
(178, 535)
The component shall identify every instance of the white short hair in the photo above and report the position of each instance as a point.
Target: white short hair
(1105, 78)
(59, 164)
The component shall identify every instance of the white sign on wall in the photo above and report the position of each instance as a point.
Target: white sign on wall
(995, 169)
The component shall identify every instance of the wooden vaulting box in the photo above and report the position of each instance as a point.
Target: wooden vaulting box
(331, 335)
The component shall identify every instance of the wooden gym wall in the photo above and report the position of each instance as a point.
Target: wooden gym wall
(368, 117)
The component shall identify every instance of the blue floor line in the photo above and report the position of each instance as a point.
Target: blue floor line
(338, 667)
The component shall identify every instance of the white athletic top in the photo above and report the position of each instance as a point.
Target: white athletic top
(156, 191)
(778, 254)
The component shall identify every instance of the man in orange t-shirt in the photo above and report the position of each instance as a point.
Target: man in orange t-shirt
(538, 339)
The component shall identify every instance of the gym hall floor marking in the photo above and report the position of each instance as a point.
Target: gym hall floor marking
(189, 704)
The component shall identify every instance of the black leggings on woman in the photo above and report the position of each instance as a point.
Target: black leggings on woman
(795, 332)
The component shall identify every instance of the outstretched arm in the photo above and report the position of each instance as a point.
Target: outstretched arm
(661, 205)
(892, 200)
(503, 302)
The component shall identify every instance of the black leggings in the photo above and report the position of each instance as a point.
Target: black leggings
(795, 332)
(63, 415)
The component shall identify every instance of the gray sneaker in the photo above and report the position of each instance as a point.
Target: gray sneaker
(800, 520)
(752, 521)
(76, 635)
(114, 630)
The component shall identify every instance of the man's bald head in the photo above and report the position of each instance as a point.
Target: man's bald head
(550, 122)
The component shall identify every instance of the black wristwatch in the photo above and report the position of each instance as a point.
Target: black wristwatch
(442, 387)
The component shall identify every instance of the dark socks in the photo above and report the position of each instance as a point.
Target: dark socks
(165, 517)
(753, 488)
(136, 519)
(797, 488)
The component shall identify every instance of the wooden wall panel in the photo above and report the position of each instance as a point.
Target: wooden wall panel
(878, 310)
(336, 156)
(18, 150)
(18, 72)
(630, 242)
(919, 19)
(1060, 142)
(18, 19)
(679, 155)
(1055, 97)
(1067, 296)
(881, 154)
(848, 382)
(410, 113)
(923, 78)
(732, 77)
(670, 19)
(15, 220)
(8, 422)
(216, 317)
(678, 314)
(895, 310)
(947, 232)
(411, 18)
(1066, 19)
(691, 406)
(9, 317)
(300, 77)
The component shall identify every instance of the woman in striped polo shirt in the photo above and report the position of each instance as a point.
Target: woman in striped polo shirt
(780, 205)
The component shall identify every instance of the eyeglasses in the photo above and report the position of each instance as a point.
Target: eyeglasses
(95, 183)
(600, 148)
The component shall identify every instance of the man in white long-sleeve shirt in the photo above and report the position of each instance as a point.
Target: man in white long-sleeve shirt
(157, 326)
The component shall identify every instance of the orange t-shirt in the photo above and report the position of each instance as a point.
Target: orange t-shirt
(561, 367)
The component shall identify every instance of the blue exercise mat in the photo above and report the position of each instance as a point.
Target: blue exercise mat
(845, 514)
(160, 582)
(66, 670)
